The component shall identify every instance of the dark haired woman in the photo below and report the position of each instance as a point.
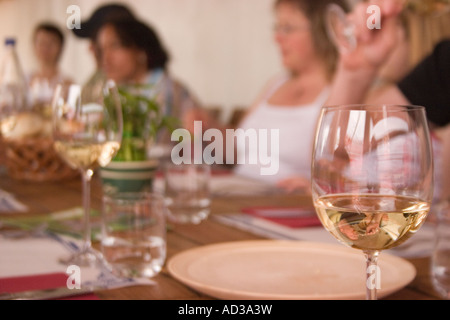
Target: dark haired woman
(131, 53)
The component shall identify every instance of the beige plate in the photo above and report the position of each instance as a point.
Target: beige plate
(273, 269)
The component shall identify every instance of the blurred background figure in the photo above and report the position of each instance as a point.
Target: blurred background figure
(418, 46)
(425, 83)
(88, 30)
(417, 35)
(131, 53)
(48, 44)
(291, 102)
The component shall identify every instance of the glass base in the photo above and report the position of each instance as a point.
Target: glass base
(87, 257)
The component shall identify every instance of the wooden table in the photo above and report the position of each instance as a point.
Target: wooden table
(45, 197)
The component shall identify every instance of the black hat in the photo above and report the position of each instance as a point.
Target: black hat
(100, 16)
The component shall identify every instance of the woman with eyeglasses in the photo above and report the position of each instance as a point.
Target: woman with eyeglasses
(291, 102)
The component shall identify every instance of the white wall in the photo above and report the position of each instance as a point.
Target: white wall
(222, 49)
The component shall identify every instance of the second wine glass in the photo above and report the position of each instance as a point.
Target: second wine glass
(87, 133)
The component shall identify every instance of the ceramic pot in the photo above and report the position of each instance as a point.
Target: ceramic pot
(129, 176)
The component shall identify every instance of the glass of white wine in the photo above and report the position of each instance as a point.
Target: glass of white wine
(372, 177)
(341, 29)
(87, 133)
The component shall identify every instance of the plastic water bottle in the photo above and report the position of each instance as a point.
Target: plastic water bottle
(13, 85)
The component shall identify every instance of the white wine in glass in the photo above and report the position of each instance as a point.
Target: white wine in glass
(87, 133)
(372, 176)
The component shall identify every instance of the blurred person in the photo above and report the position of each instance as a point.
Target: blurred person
(48, 44)
(291, 102)
(88, 30)
(427, 84)
(132, 53)
(418, 34)
(392, 67)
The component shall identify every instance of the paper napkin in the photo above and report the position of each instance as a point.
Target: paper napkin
(9, 204)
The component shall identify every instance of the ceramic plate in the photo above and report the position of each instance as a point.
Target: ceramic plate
(275, 269)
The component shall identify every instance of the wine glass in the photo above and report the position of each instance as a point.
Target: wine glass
(372, 177)
(87, 132)
(341, 29)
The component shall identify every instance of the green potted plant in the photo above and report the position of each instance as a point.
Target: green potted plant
(131, 169)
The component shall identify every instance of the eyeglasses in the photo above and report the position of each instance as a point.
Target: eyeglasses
(288, 29)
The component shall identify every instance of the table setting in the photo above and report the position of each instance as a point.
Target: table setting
(233, 249)
(204, 232)
(37, 264)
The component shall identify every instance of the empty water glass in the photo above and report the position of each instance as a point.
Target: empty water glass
(187, 192)
(134, 233)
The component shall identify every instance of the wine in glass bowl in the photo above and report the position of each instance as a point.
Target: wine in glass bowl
(87, 133)
(374, 222)
(372, 175)
(86, 154)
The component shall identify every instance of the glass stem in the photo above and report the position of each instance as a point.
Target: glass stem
(372, 274)
(86, 176)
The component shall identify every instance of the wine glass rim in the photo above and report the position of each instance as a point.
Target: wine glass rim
(373, 107)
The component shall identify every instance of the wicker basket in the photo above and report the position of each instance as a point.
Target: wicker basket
(35, 159)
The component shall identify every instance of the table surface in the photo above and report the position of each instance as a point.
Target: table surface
(45, 197)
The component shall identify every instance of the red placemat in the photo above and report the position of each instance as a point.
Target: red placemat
(292, 217)
(38, 282)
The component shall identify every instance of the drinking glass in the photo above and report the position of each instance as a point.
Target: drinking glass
(134, 233)
(341, 29)
(372, 177)
(87, 132)
(187, 192)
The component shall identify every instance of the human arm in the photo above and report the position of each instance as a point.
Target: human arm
(428, 84)
(358, 68)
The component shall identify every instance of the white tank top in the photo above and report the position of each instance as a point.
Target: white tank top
(296, 135)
